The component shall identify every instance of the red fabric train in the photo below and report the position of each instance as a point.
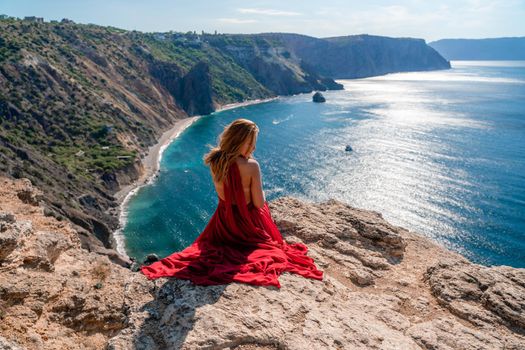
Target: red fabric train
(240, 243)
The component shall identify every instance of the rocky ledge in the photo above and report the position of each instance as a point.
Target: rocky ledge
(384, 288)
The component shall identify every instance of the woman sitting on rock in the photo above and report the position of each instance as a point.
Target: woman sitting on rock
(241, 242)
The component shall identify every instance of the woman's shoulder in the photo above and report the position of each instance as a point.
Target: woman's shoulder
(246, 161)
(249, 165)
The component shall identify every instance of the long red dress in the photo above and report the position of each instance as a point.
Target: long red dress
(240, 243)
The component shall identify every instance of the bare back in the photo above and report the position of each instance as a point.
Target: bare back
(249, 171)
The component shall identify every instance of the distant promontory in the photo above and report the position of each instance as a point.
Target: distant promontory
(360, 56)
(481, 49)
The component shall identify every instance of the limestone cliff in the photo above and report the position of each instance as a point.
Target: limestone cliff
(272, 64)
(359, 56)
(384, 288)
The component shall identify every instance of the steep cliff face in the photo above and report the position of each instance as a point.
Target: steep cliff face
(196, 90)
(383, 287)
(360, 56)
(272, 64)
(81, 104)
(193, 90)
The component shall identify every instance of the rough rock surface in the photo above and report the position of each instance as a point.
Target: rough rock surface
(384, 288)
(53, 293)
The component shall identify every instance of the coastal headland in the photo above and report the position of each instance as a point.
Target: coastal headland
(383, 287)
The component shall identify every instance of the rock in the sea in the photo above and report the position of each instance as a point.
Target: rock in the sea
(318, 97)
(151, 258)
(348, 148)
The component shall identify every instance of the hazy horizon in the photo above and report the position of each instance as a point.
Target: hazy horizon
(467, 19)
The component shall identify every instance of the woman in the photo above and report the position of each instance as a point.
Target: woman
(241, 242)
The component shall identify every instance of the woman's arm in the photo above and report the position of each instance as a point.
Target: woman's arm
(258, 197)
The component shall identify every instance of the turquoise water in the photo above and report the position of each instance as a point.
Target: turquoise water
(441, 153)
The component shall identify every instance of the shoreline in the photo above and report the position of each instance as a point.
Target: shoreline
(245, 103)
(151, 161)
(151, 164)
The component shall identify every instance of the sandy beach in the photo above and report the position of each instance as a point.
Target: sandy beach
(151, 163)
(245, 103)
(152, 160)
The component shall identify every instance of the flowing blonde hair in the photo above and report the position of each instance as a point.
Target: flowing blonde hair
(231, 139)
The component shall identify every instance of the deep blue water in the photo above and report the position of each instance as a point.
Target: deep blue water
(441, 153)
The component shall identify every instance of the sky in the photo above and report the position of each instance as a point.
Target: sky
(429, 20)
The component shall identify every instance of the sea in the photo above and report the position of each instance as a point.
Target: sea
(441, 153)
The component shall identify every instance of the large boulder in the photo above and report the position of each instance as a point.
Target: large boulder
(318, 97)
